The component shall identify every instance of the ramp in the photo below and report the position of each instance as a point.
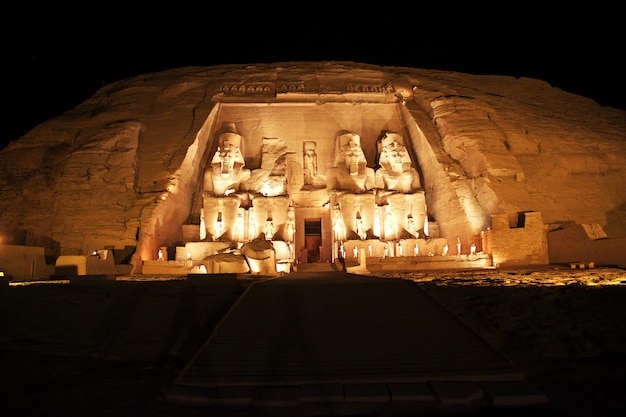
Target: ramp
(340, 340)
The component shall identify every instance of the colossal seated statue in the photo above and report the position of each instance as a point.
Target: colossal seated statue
(351, 172)
(399, 189)
(395, 171)
(227, 174)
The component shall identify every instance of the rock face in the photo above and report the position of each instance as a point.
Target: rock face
(124, 170)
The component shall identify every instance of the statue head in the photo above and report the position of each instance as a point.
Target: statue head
(350, 152)
(230, 141)
(393, 155)
(228, 157)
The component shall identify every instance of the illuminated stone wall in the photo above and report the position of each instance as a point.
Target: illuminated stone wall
(577, 244)
(515, 245)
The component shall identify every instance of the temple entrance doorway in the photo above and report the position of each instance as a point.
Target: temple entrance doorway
(313, 239)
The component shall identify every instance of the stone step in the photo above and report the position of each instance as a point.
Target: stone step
(316, 267)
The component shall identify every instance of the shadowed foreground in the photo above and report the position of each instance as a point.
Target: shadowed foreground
(121, 348)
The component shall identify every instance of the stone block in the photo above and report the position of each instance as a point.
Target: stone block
(366, 392)
(457, 393)
(420, 392)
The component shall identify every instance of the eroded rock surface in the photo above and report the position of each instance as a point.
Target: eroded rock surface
(122, 169)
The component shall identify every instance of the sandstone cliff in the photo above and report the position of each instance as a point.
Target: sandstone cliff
(122, 169)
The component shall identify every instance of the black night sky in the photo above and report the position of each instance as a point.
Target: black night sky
(57, 55)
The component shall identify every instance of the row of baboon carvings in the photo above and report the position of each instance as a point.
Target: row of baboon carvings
(298, 88)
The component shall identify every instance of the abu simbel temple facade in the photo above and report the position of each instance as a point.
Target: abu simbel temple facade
(263, 169)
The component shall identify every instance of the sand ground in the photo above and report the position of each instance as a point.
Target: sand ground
(114, 349)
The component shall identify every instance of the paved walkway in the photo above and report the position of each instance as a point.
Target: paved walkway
(333, 343)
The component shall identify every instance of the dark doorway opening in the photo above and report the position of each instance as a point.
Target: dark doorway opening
(312, 239)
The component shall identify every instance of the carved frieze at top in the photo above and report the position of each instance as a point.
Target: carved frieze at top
(364, 88)
(290, 88)
(268, 88)
(242, 89)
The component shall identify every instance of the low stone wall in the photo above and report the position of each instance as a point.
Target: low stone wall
(575, 245)
(519, 246)
(418, 263)
(24, 263)
(100, 263)
(165, 268)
